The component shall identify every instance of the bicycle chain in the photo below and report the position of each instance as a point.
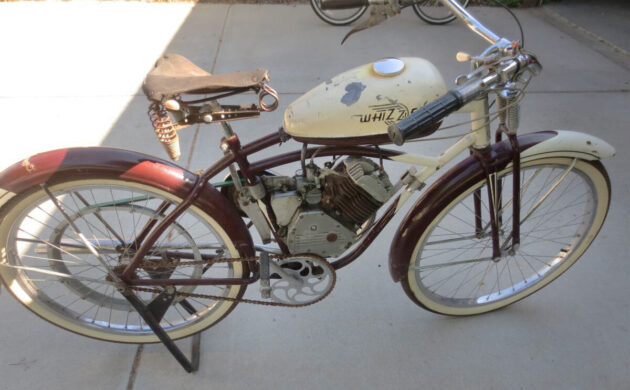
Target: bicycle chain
(229, 299)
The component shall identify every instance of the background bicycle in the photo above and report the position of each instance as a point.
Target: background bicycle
(431, 11)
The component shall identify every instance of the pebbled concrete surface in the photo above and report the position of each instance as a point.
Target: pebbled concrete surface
(72, 78)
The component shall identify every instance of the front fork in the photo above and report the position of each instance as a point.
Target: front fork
(495, 190)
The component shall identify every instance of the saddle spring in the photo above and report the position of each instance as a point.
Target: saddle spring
(164, 130)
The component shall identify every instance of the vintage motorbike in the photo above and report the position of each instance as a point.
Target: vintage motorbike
(125, 247)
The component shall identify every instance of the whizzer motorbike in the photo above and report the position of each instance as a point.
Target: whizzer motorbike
(125, 247)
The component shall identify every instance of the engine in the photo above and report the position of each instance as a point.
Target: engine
(324, 211)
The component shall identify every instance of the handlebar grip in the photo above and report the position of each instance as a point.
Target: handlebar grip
(343, 4)
(421, 120)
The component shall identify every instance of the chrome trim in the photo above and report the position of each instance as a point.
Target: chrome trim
(471, 22)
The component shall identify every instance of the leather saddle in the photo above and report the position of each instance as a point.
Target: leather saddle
(174, 74)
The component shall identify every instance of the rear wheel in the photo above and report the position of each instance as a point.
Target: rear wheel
(47, 267)
(433, 12)
(337, 17)
(564, 204)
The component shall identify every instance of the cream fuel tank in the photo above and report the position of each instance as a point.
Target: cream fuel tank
(356, 106)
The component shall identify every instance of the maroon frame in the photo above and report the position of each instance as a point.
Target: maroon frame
(235, 153)
(471, 168)
(62, 164)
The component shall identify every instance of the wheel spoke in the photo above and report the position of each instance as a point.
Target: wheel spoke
(450, 264)
(62, 249)
(454, 268)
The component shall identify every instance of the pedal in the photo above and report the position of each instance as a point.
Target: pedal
(265, 287)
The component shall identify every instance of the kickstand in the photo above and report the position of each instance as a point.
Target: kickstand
(153, 313)
(155, 310)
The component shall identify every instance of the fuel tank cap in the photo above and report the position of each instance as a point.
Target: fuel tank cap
(388, 67)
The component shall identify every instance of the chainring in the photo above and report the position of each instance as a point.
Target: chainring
(302, 280)
(315, 270)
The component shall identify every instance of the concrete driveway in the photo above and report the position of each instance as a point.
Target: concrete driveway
(70, 76)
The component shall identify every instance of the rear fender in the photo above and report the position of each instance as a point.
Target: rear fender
(557, 143)
(77, 163)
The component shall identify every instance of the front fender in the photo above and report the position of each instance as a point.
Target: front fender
(567, 143)
(468, 172)
(78, 163)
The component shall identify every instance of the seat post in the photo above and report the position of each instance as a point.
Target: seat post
(228, 147)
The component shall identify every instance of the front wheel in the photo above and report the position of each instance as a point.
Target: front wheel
(337, 17)
(49, 269)
(564, 203)
(433, 12)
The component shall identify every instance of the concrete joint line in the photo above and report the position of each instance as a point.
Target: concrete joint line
(602, 91)
(134, 367)
(584, 33)
(214, 65)
(216, 54)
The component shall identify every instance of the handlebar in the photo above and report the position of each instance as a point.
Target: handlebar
(422, 120)
(343, 4)
(471, 22)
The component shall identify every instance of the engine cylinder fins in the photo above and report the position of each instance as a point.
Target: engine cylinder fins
(348, 202)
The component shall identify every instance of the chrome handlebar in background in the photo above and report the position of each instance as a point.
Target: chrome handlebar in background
(471, 22)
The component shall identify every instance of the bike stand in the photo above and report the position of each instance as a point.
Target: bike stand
(153, 313)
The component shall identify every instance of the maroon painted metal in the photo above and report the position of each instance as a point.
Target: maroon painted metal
(265, 142)
(82, 163)
(108, 162)
(191, 197)
(516, 180)
(195, 282)
(233, 146)
(478, 219)
(485, 159)
(369, 238)
(323, 151)
(516, 190)
(161, 209)
(442, 192)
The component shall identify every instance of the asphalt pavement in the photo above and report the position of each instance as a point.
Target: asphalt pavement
(71, 74)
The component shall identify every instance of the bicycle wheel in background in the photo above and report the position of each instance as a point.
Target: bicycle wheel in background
(433, 12)
(564, 203)
(337, 17)
(49, 270)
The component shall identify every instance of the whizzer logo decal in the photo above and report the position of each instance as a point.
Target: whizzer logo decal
(388, 113)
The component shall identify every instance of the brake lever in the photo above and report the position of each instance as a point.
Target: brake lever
(378, 14)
